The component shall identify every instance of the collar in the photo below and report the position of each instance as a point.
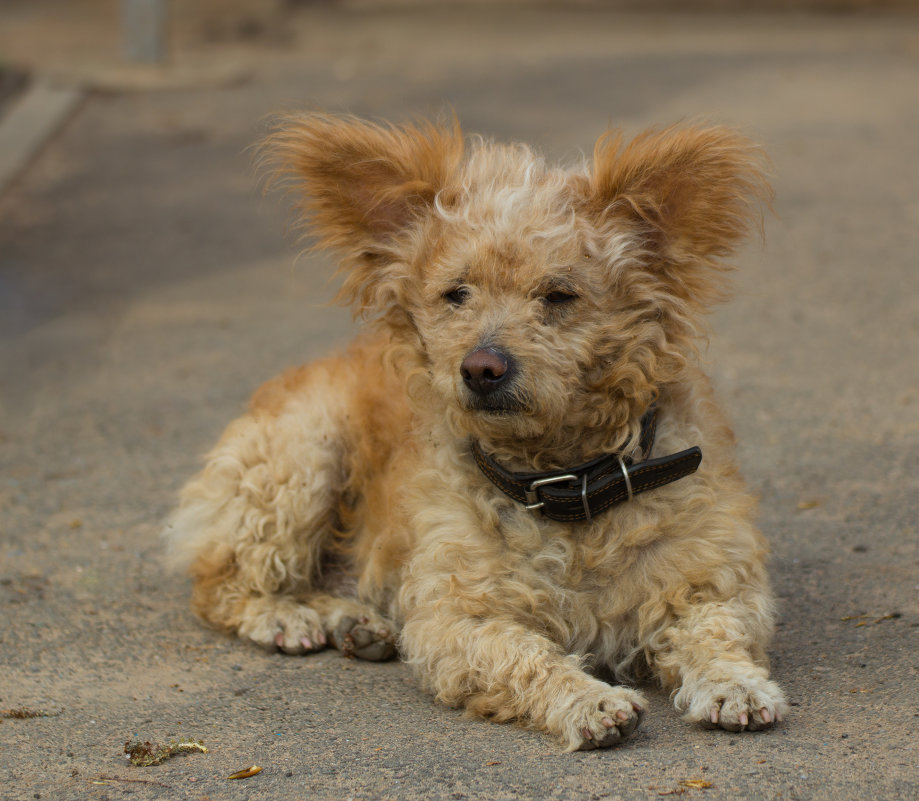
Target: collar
(590, 488)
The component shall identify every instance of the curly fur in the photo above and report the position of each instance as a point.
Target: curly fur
(345, 507)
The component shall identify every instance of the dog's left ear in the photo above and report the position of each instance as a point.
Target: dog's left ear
(688, 193)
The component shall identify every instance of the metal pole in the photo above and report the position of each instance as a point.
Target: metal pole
(143, 23)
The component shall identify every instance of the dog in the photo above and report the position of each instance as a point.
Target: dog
(517, 478)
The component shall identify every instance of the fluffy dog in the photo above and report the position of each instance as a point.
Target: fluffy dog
(501, 478)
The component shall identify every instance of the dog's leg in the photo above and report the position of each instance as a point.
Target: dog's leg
(713, 660)
(297, 623)
(255, 523)
(501, 670)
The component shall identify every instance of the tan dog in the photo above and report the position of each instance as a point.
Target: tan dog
(500, 477)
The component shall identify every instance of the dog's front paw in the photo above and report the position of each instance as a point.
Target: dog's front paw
(278, 623)
(750, 704)
(365, 638)
(601, 719)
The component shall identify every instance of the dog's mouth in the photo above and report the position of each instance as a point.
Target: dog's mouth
(500, 406)
(497, 411)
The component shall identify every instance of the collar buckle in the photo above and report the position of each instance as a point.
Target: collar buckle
(532, 492)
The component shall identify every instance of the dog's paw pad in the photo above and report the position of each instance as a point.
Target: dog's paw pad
(608, 720)
(610, 730)
(290, 627)
(365, 639)
(751, 706)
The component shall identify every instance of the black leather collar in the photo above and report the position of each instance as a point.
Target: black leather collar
(590, 488)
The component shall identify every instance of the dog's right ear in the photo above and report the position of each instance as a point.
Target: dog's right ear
(360, 187)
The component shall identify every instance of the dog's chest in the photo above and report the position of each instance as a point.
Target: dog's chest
(577, 570)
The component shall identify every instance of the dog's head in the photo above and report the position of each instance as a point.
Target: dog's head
(541, 304)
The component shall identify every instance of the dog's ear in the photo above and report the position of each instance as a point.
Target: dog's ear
(360, 186)
(690, 194)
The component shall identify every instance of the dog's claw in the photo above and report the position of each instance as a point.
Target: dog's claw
(302, 645)
(612, 737)
(291, 641)
(588, 744)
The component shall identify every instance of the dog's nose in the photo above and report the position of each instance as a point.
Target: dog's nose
(485, 370)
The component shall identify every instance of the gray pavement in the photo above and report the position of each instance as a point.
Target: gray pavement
(146, 288)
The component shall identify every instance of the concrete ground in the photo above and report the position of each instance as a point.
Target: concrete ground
(146, 288)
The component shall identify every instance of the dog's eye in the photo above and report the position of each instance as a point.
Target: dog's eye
(457, 296)
(559, 296)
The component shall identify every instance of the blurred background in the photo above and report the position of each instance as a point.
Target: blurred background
(147, 287)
